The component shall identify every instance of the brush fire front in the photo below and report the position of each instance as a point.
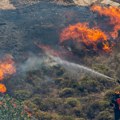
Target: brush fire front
(80, 37)
(91, 38)
(113, 13)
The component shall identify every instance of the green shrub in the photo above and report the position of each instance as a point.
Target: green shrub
(73, 102)
(54, 103)
(77, 111)
(80, 119)
(104, 115)
(117, 58)
(31, 105)
(12, 109)
(43, 115)
(66, 92)
(59, 81)
(88, 86)
(109, 95)
(67, 118)
(22, 94)
(96, 107)
(117, 88)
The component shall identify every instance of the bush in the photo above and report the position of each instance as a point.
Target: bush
(89, 86)
(73, 102)
(59, 81)
(22, 94)
(66, 92)
(12, 109)
(109, 95)
(43, 115)
(67, 118)
(80, 119)
(96, 107)
(54, 103)
(31, 105)
(104, 115)
(117, 88)
(77, 111)
(117, 58)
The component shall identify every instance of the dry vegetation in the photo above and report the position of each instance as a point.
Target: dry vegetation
(59, 97)
(48, 93)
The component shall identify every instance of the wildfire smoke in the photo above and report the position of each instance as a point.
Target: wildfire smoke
(49, 50)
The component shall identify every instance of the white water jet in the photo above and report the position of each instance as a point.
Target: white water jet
(75, 69)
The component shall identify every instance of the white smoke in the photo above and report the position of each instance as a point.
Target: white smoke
(73, 69)
(32, 63)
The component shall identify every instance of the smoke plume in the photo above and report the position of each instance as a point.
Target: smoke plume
(32, 63)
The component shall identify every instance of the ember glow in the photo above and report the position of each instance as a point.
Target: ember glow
(82, 34)
(3, 88)
(113, 13)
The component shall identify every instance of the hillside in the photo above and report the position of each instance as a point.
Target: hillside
(49, 70)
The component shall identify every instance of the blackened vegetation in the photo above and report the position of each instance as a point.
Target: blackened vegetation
(48, 92)
(41, 22)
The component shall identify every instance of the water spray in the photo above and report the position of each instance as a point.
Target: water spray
(76, 69)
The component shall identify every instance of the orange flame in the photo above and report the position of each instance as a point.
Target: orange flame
(81, 33)
(3, 89)
(7, 67)
(113, 13)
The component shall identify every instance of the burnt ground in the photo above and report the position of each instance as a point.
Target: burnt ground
(42, 22)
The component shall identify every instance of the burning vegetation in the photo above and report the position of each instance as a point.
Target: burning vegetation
(51, 91)
(7, 68)
(89, 37)
(93, 39)
(3, 88)
(114, 15)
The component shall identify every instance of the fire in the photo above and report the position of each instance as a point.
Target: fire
(113, 13)
(6, 67)
(3, 88)
(81, 33)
